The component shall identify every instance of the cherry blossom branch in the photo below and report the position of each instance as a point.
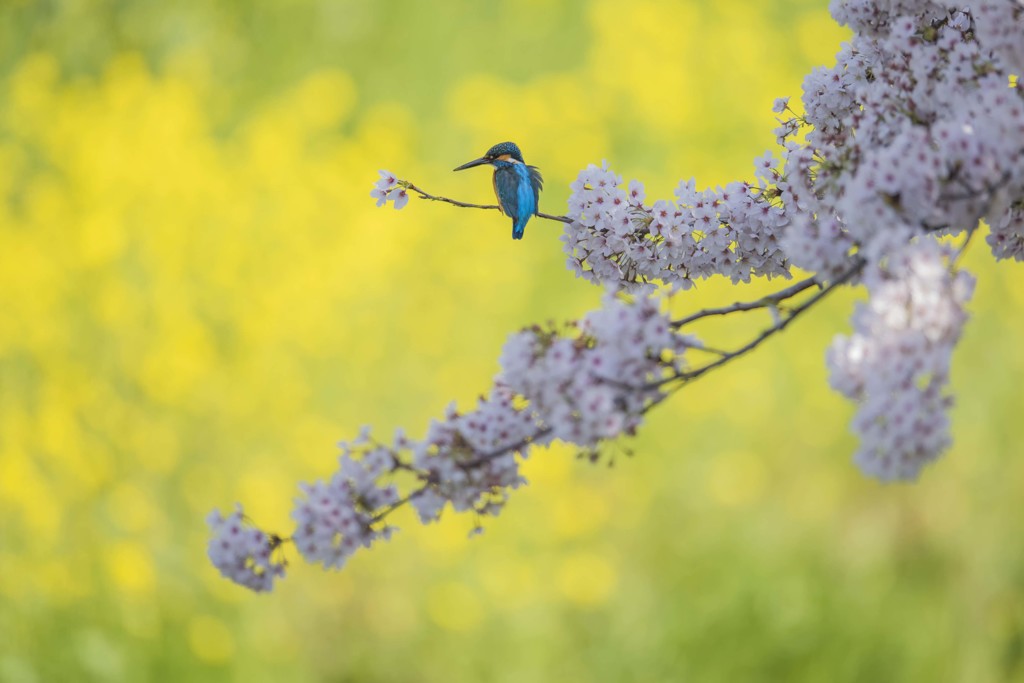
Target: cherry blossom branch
(541, 433)
(726, 357)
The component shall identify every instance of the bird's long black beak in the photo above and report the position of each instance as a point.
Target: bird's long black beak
(471, 164)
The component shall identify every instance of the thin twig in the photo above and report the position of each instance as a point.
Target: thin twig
(466, 205)
(454, 202)
(551, 217)
(764, 302)
(687, 377)
(397, 504)
(963, 247)
(708, 349)
(519, 446)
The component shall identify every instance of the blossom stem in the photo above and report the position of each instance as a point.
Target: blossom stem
(963, 247)
(397, 504)
(522, 445)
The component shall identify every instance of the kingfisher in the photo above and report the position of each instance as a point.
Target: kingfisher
(516, 185)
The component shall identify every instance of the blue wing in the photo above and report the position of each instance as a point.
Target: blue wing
(537, 182)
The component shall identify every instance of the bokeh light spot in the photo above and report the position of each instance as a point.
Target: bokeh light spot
(586, 579)
(454, 606)
(210, 639)
(130, 566)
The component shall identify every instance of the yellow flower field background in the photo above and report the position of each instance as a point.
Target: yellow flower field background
(198, 298)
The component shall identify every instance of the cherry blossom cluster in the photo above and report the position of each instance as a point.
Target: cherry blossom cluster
(467, 459)
(896, 363)
(596, 384)
(914, 130)
(389, 189)
(914, 133)
(1006, 235)
(614, 238)
(335, 518)
(998, 27)
(243, 553)
(470, 459)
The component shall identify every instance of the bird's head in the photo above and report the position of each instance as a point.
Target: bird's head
(507, 151)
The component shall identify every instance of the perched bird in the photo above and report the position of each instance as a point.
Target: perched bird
(516, 185)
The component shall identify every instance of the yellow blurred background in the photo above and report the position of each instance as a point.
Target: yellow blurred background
(198, 298)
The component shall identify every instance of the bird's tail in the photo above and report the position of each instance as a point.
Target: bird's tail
(519, 227)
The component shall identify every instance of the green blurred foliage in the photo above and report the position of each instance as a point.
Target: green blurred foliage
(198, 298)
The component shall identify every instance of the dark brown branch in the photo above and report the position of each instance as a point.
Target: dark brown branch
(384, 512)
(764, 302)
(963, 247)
(525, 443)
(691, 375)
(466, 205)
